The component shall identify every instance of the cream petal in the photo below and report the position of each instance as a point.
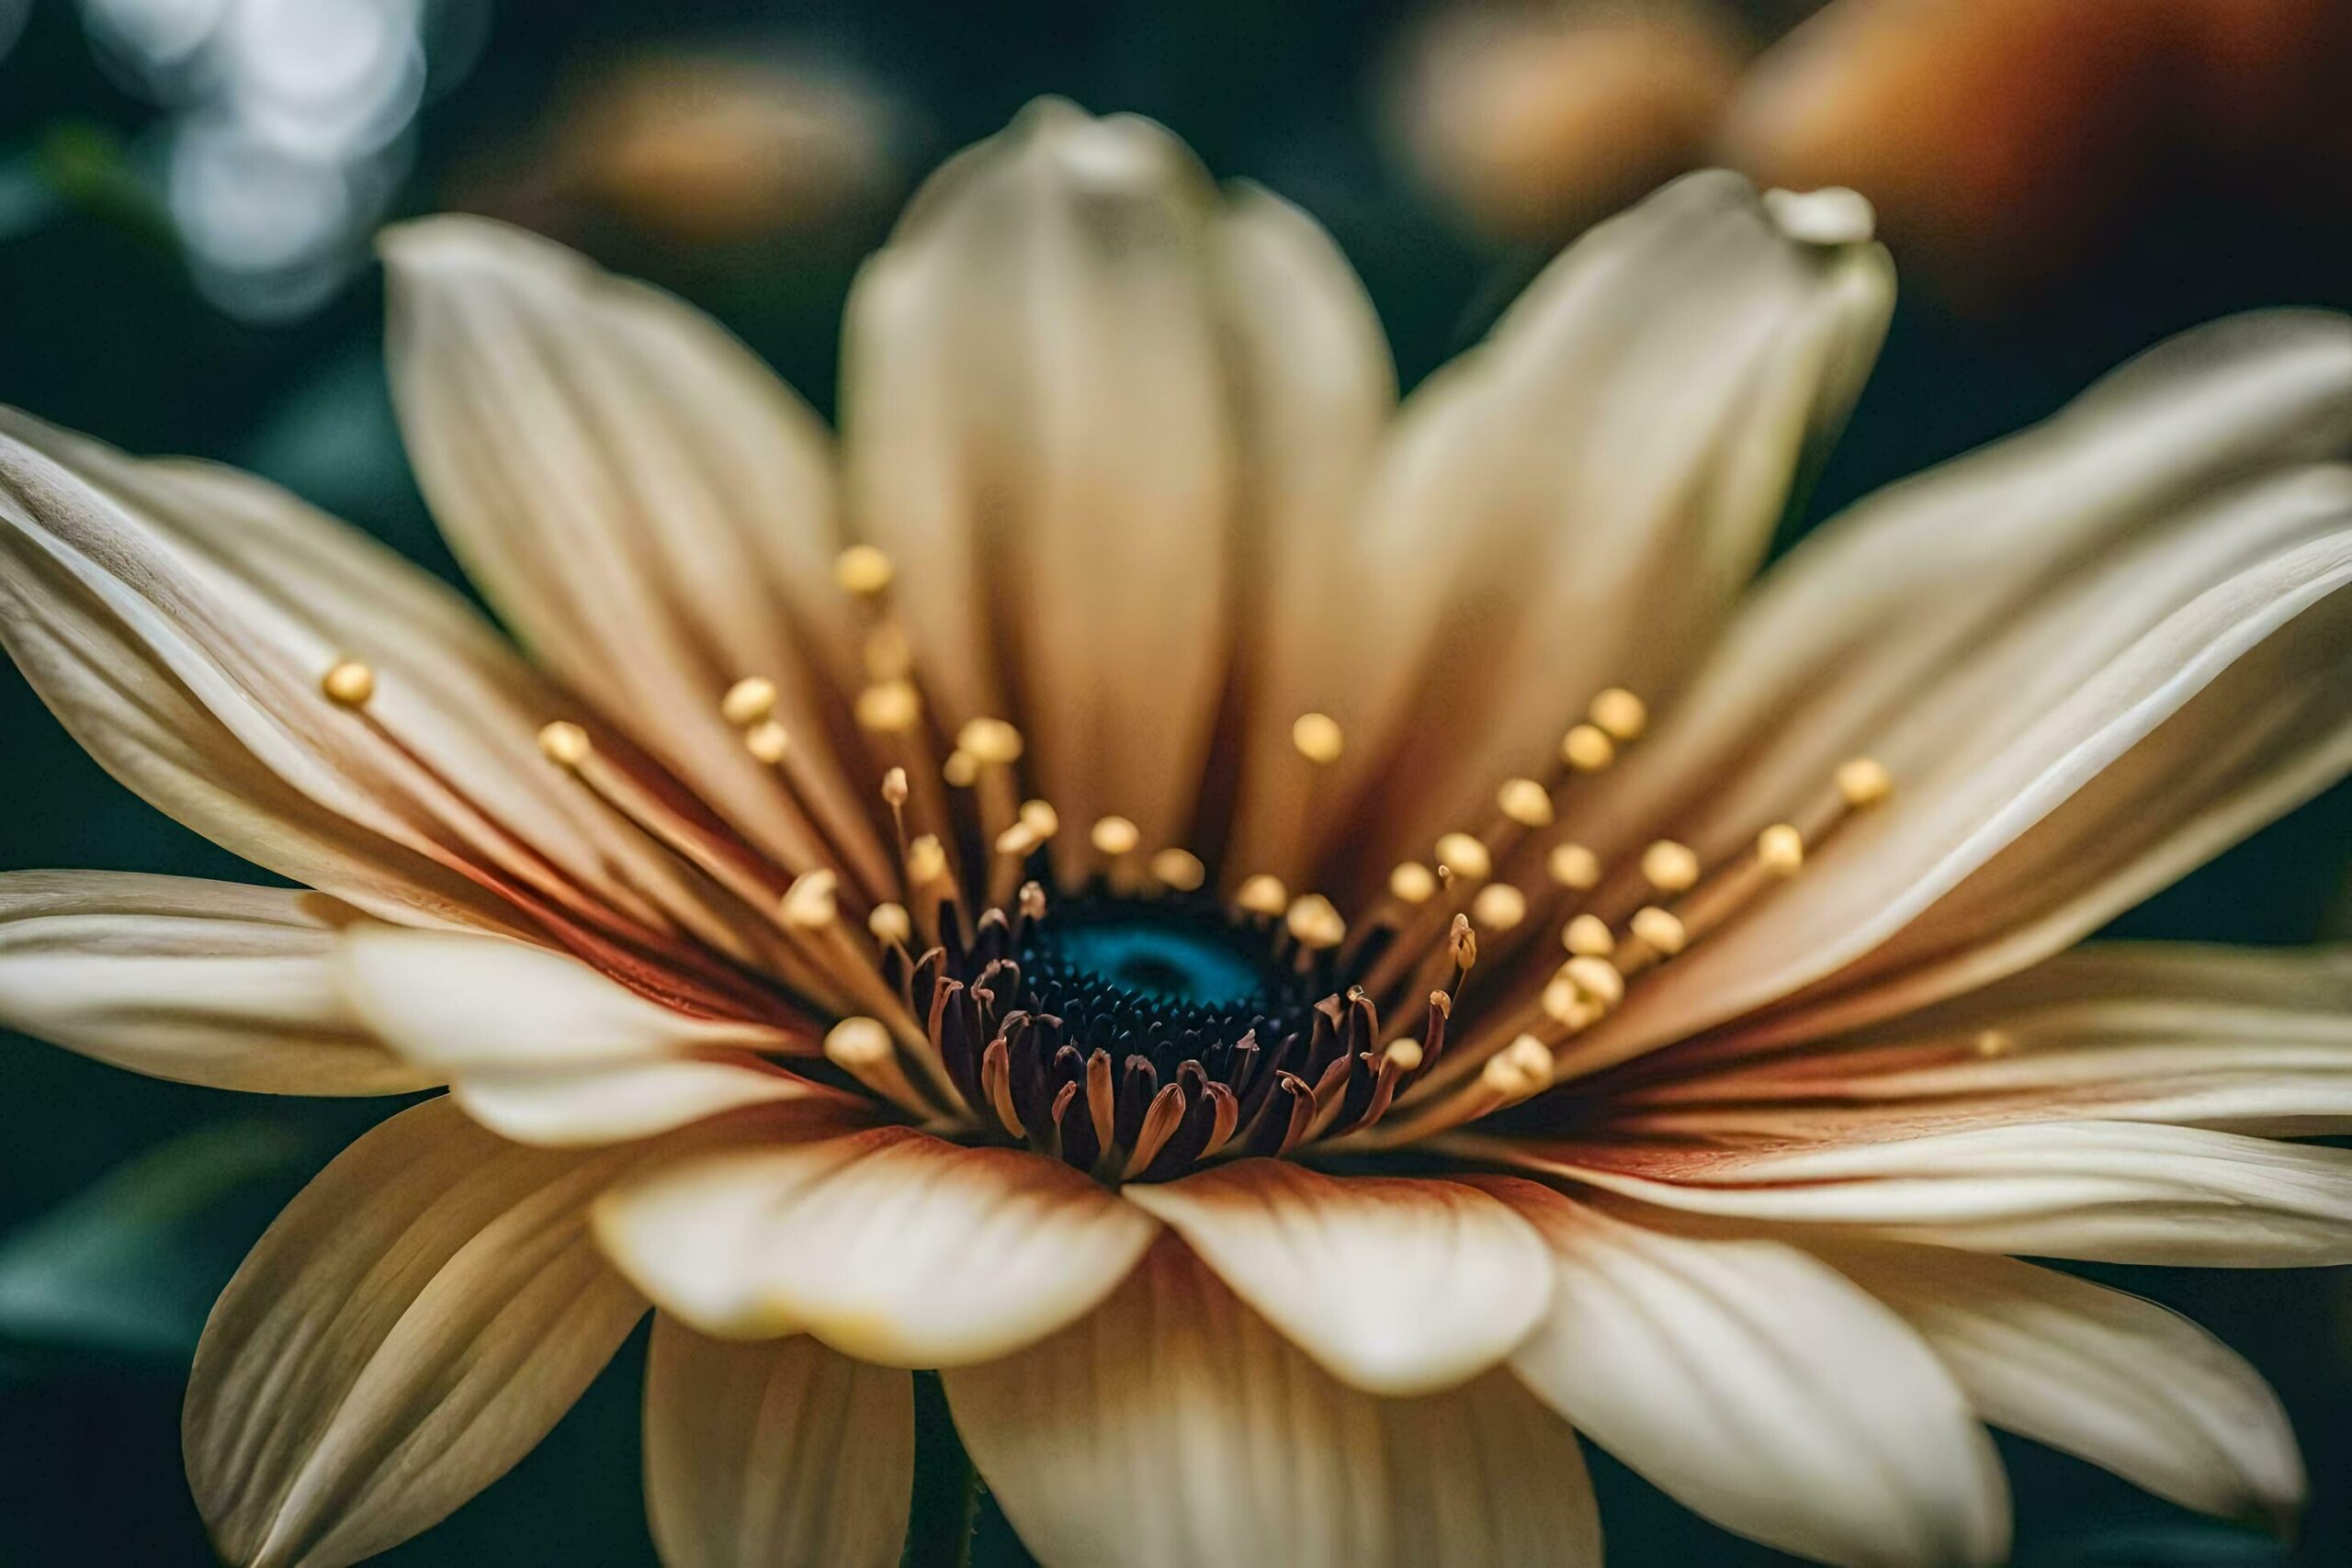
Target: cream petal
(1036, 429)
(1574, 503)
(1760, 1387)
(887, 1244)
(2148, 746)
(543, 1049)
(210, 983)
(412, 1324)
(2118, 1381)
(651, 509)
(1861, 619)
(2107, 1191)
(1314, 392)
(198, 691)
(1173, 1427)
(1398, 1286)
(2245, 1039)
(2073, 540)
(777, 1452)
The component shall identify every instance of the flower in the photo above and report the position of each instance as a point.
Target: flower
(1142, 879)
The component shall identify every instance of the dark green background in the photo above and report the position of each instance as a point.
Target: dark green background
(99, 329)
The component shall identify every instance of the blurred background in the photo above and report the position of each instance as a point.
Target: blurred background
(186, 192)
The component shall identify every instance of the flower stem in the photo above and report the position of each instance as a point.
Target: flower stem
(947, 1488)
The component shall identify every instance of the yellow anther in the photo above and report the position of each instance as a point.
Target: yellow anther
(1464, 941)
(1016, 840)
(1565, 1003)
(1115, 835)
(1180, 869)
(1525, 801)
(1315, 923)
(1262, 894)
(1780, 849)
(864, 570)
(1661, 932)
(1317, 737)
(350, 682)
(812, 901)
(1596, 979)
(1992, 1043)
(1498, 907)
(1670, 867)
(962, 770)
(1864, 780)
(1040, 818)
(1589, 936)
(890, 922)
(1404, 1056)
(857, 1043)
(564, 743)
(767, 741)
(990, 742)
(1573, 866)
(894, 787)
(1465, 855)
(1413, 882)
(1531, 1059)
(748, 701)
(1520, 1069)
(889, 707)
(926, 861)
(1587, 748)
(1622, 713)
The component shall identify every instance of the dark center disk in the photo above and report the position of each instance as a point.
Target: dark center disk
(1171, 979)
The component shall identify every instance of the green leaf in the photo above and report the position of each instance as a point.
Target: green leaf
(131, 1266)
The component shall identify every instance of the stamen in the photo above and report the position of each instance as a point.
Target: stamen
(861, 1047)
(1587, 936)
(1587, 748)
(864, 570)
(889, 708)
(748, 701)
(1466, 856)
(1498, 907)
(564, 743)
(1670, 867)
(767, 741)
(1412, 883)
(1180, 869)
(1863, 782)
(890, 924)
(1315, 923)
(1262, 894)
(1317, 736)
(1573, 868)
(349, 683)
(1622, 714)
(1780, 850)
(1525, 801)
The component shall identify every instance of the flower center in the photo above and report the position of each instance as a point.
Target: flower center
(1164, 978)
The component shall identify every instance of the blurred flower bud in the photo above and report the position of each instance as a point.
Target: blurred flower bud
(1531, 117)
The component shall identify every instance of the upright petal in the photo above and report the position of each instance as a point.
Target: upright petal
(1314, 392)
(408, 1328)
(889, 1245)
(1762, 1388)
(1573, 504)
(2081, 545)
(2107, 1192)
(1173, 1427)
(541, 1048)
(2118, 1381)
(649, 506)
(774, 1453)
(1395, 1286)
(211, 983)
(1037, 431)
(2250, 1039)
